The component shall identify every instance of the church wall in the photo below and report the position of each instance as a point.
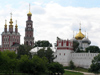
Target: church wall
(83, 59)
(63, 56)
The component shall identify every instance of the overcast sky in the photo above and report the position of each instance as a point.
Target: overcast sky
(52, 18)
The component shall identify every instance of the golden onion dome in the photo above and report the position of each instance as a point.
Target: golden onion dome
(29, 14)
(11, 22)
(79, 36)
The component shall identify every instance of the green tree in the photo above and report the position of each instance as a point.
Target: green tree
(71, 65)
(46, 53)
(95, 66)
(55, 67)
(43, 43)
(49, 55)
(75, 45)
(41, 52)
(23, 50)
(93, 49)
(35, 66)
(9, 62)
(39, 65)
(24, 64)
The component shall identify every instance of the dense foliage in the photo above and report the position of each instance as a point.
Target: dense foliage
(9, 63)
(71, 65)
(95, 66)
(43, 43)
(46, 53)
(55, 67)
(93, 49)
(23, 50)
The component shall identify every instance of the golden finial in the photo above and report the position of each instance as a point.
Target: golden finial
(16, 24)
(29, 6)
(11, 22)
(80, 27)
(29, 14)
(11, 15)
(5, 23)
(79, 36)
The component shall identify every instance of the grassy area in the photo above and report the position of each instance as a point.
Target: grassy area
(18, 74)
(13, 74)
(77, 69)
(72, 73)
(81, 69)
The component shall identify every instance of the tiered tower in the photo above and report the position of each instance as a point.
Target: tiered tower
(29, 39)
(63, 51)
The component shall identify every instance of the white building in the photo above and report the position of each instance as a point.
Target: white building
(64, 52)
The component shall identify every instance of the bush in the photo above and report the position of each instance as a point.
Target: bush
(55, 67)
(66, 67)
(71, 65)
(95, 66)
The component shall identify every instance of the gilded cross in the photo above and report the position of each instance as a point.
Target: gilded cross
(29, 6)
(11, 15)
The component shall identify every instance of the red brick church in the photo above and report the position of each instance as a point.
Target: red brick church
(10, 38)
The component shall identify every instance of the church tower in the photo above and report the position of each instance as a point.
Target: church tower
(11, 26)
(5, 28)
(10, 38)
(29, 39)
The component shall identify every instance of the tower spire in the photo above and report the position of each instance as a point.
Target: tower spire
(29, 6)
(16, 29)
(11, 26)
(11, 22)
(16, 24)
(5, 23)
(80, 27)
(11, 15)
(29, 14)
(5, 28)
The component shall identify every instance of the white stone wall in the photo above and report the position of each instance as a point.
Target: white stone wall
(83, 59)
(63, 57)
(80, 59)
